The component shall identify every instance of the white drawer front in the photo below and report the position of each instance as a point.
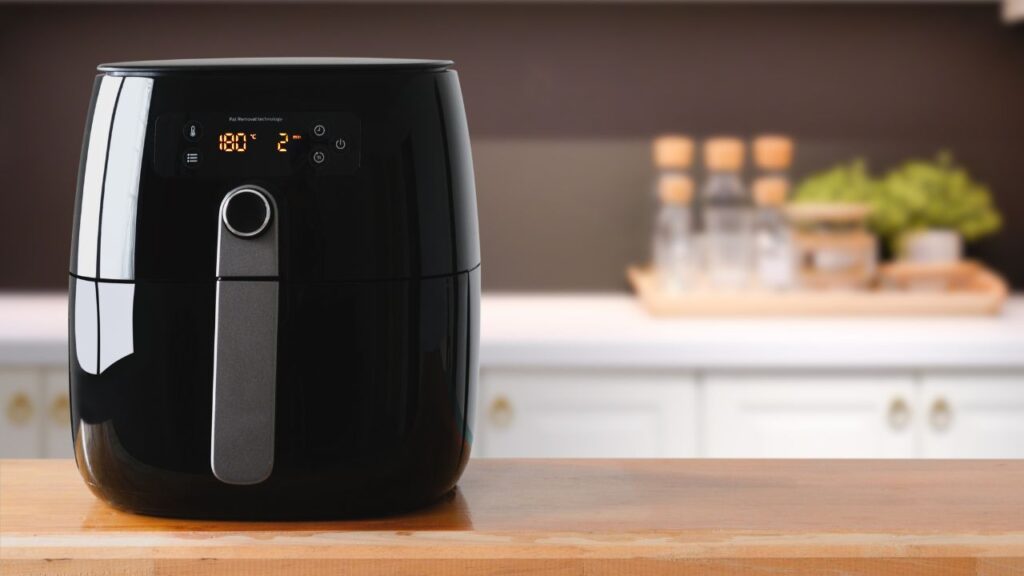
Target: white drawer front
(973, 415)
(584, 414)
(805, 415)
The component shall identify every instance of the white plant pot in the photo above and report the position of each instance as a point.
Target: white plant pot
(937, 246)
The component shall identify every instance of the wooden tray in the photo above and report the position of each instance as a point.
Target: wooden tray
(983, 293)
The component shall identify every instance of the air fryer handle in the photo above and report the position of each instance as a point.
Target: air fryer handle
(244, 382)
(245, 343)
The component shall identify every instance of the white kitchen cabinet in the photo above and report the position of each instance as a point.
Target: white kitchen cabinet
(56, 414)
(809, 415)
(973, 415)
(34, 413)
(21, 399)
(586, 413)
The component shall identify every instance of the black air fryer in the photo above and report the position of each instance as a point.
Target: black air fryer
(275, 287)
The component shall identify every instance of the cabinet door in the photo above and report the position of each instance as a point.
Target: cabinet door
(585, 414)
(20, 400)
(973, 415)
(56, 414)
(809, 416)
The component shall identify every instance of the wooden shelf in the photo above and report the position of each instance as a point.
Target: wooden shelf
(680, 517)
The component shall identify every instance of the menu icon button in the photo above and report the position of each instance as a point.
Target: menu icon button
(191, 158)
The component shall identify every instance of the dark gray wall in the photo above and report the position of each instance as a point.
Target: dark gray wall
(561, 100)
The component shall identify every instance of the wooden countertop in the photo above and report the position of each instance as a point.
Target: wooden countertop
(675, 517)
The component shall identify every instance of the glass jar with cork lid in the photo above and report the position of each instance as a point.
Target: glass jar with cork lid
(834, 248)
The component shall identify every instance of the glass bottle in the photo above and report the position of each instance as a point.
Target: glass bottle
(773, 238)
(728, 216)
(773, 248)
(675, 254)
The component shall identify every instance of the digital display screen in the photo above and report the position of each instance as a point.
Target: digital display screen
(224, 145)
(238, 142)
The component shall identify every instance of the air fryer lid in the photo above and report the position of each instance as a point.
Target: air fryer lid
(367, 163)
(257, 65)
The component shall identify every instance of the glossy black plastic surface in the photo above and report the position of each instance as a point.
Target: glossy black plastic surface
(408, 211)
(378, 306)
(375, 382)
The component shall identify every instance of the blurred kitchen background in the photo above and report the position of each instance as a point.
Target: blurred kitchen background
(920, 354)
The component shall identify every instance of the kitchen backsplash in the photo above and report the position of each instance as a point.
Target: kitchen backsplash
(562, 102)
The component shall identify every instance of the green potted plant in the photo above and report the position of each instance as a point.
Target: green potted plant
(849, 183)
(938, 207)
(924, 209)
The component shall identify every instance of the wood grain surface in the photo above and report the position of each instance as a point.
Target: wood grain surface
(597, 517)
(984, 295)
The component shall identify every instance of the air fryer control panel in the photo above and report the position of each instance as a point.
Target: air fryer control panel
(218, 145)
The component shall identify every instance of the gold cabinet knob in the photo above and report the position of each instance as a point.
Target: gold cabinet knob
(941, 415)
(501, 412)
(20, 409)
(899, 414)
(60, 410)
